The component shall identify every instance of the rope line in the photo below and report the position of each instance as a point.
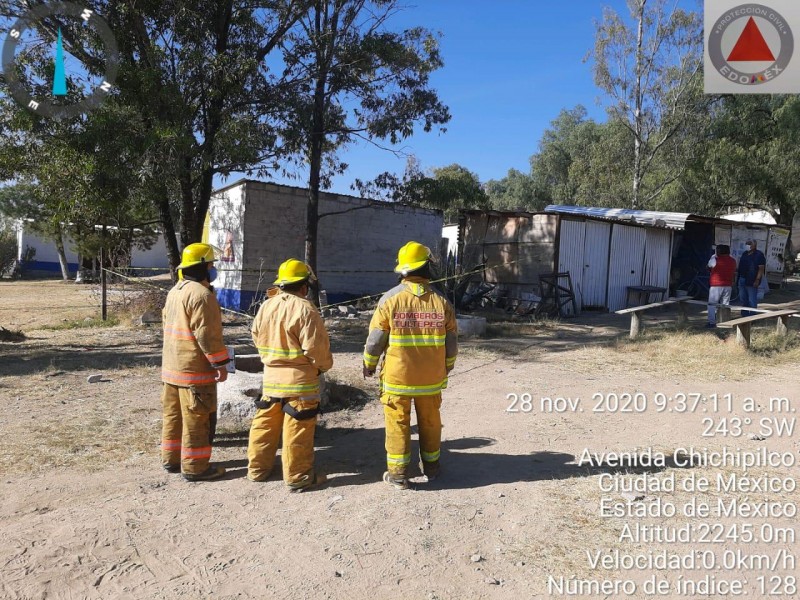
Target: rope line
(326, 306)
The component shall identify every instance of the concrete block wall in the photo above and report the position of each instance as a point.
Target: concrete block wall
(357, 248)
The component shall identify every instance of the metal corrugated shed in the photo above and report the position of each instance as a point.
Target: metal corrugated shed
(651, 218)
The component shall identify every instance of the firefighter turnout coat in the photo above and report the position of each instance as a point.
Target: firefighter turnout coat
(290, 336)
(416, 326)
(193, 346)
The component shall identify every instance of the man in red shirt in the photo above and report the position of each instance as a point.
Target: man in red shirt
(723, 268)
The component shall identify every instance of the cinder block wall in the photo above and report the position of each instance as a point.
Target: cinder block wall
(357, 249)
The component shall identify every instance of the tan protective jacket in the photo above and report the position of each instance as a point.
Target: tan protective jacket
(416, 326)
(193, 346)
(294, 346)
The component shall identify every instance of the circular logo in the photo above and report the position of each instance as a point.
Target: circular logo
(47, 79)
(751, 44)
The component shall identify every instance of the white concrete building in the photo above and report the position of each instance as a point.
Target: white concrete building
(45, 256)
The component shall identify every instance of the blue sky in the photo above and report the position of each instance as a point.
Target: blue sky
(510, 67)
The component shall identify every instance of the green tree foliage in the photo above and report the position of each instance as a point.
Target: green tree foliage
(357, 80)
(649, 65)
(197, 93)
(449, 189)
(517, 191)
(748, 159)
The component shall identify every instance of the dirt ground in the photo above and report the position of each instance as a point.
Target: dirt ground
(87, 512)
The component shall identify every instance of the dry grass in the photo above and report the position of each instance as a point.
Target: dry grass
(695, 354)
(53, 418)
(520, 329)
(134, 303)
(87, 323)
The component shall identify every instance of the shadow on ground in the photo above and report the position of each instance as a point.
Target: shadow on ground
(359, 455)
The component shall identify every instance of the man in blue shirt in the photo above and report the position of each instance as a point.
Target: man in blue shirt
(751, 270)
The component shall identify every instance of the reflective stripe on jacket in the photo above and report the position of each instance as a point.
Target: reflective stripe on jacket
(290, 336)
(416, 327)
(193, 346)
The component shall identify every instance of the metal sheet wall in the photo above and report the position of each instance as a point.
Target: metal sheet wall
(570, 256)
(627, 260)
(595, 263)
(658, 246)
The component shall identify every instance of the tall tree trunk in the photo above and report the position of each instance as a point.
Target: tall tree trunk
(315, 151)
(188, 217)
(203, 201)
(168, 231)
(637, 111)
(312, 210)
(62, 255)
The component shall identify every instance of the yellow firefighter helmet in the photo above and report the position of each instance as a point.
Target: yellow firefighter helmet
(195, 254)
(292, 271)
(411, 257)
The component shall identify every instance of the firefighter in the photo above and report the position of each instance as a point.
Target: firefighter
(416, 326)
(193, 361)
(290, 336)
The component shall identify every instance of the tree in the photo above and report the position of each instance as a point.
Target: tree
(359, 80)
(567, 141)
(21, 202)
(196, 73)
(449, 189)
(200, 96)
(516, 191)
(749, 159)
(69, 181)
(651, 70)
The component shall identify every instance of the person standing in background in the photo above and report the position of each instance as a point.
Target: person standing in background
(752, 265)
(723, 270)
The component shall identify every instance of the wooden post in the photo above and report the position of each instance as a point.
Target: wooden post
(684, 317)
(783, 325)
(636, 324)
(743, 335)
(723, 314)
(103, 295)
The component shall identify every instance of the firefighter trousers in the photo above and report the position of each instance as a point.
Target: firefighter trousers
(397, 415)
(186, 431)
(297, 453)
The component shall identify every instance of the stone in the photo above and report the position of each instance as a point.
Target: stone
(97, 377)
(150, 317)
(491, 581)
(347, 310)
(633, 497)
(476, 558)
(250, 363)
(469, 326)
(235, 396)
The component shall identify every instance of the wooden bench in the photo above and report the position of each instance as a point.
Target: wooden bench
(644, 291)
(743, 324)
(636, 318)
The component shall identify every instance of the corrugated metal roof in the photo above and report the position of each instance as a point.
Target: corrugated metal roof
(651, 218)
